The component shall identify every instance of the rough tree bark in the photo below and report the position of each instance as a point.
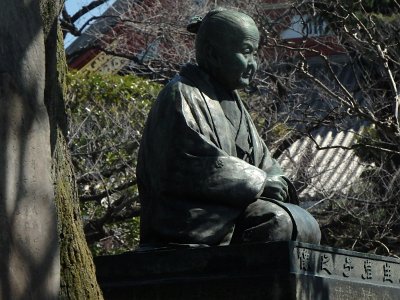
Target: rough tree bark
(29, 254)
(78, 280)
(33, 155)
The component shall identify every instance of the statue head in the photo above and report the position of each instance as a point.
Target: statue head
(226, 43)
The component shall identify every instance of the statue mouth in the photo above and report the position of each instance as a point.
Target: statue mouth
(247, 75)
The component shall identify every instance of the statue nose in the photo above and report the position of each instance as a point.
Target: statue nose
(252, 64)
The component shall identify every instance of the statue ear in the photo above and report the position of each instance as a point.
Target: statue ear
(212, 55)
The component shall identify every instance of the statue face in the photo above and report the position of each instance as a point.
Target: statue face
(235, 56)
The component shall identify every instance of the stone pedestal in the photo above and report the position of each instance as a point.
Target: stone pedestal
(279, 270)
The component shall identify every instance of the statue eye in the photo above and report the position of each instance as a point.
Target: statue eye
(247, 51)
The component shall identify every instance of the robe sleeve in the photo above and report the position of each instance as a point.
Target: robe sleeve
(269, 164)
(277, 186)
(193, 165)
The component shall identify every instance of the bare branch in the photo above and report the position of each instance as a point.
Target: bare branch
(85, 9)
(107, 193)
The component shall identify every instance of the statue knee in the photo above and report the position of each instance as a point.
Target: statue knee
(305, 225)
(283, 230)
(276, 226)
(308, 231)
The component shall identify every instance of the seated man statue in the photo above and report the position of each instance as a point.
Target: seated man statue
(204, 175)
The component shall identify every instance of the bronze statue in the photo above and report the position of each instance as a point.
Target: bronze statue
(205, 177)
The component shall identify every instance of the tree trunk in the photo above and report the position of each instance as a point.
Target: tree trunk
(29, 254)
(33, 155)
(78, 280)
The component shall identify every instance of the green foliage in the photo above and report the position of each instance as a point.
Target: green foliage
(110, 91)
(124, 237)
(107, 115)
(371, 149)
(368, 136)
(280, 130)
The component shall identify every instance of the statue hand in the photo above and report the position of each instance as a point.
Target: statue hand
(276, 188)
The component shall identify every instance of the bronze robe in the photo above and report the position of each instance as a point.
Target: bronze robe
(191, 183)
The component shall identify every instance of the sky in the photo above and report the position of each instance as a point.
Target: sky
(74, 5)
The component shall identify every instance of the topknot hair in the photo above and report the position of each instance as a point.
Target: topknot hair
(196, 21)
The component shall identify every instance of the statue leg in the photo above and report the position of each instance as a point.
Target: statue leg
(306, 228)
(263, 221)
(269, 220)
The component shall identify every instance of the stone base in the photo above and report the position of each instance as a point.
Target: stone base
(279, 270)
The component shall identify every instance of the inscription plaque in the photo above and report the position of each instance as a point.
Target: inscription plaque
(348, 265)
(279, 270)
(326, 263)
